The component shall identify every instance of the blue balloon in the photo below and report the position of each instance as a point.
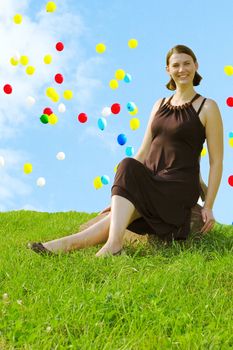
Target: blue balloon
(105, 179)
(121, 139)
(129, 151)
(127, 78)
(131, 106)
(102, 123)
(231, 134)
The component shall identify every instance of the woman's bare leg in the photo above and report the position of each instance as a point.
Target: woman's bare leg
(95, 234)
(122, 211)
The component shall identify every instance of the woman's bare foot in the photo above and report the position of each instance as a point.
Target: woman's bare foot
(109, 249)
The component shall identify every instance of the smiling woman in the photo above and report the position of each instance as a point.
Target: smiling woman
(155, 191)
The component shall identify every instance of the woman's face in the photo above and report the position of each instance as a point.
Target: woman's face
(181, 68)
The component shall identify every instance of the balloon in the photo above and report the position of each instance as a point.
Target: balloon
(228, 70)
(18, 18)
(47, 111)
(113, 84)
(115, 108)
(2, 161)
(100, 48)
(127, 78)
(60, 156)
(230, 134)
(24, 60)
(229, 101)
(121, 139)
(106, 111)
(59, 78)
(97, 182)
(40, 181)
(203, 152)
(68, 94)
(51, 6)
(230, 180)
(134, 123)
(134, 112)
(131, 106)
(30, 101)
(119, 74)
(47, 59)
(105, 179)
(50, 92)
(230, 142)
(129, 151)
(27, 168)
(53, 119)
(132, 43)
(82, 117)
(115, 168)
(7, 89)
(44, 119)
(59, 46)
(102, 123)
(30, 70)
(61, 108)
(13, 61)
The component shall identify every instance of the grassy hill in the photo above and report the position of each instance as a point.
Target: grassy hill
(164, 297)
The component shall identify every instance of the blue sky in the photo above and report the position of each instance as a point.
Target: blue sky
(205, 27)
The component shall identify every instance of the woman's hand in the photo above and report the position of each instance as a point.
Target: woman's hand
(105, 210)
(208, 218)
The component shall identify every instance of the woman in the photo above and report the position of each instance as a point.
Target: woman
(157, 188)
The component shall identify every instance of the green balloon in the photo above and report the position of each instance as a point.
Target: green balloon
(44, 119)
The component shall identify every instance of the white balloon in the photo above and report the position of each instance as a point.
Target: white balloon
(106, 111)
(41, 181)
(61, 156)
(61, 108)
(2, 161)
(30, 101)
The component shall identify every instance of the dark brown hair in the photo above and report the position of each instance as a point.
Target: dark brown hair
(171, 85)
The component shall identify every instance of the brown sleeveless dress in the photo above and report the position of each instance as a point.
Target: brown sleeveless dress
(166, 185)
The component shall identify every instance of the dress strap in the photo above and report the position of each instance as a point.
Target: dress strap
(161, 103)
(201, 106)
(195, 97)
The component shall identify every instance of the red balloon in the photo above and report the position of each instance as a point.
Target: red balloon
(230, 180)
(230, 101)
(47, 111)
(58, 78)
(82, 117)
(59, 46)
(7, 89)
(115, 108)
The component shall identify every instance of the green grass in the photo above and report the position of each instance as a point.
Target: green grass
(162, 297)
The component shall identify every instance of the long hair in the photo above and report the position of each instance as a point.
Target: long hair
(171, 85)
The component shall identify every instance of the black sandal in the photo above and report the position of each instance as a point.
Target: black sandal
(38, 247)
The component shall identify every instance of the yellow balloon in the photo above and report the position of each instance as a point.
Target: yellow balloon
(50, 92)
(115, 168)
(100, 48)
(14, 62)
(134, 123)
(97, 182)
(47, 59)
(18, 18)
(231, 142)
(24, 60)
(228, 70)
(51, 6)
(132, 43)
(113, 84)
(134, 112)
(30, 70)
(53, 119)
(27, 168)
(203, 152)
(119, 74)
(68, 94)
(55, 97)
